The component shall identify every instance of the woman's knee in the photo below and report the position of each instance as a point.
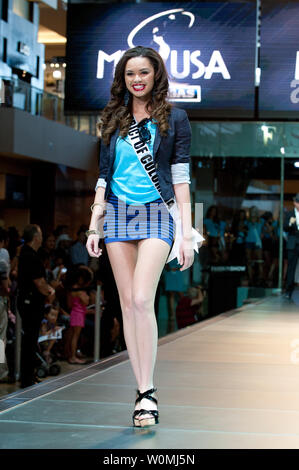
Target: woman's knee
(142, 302)
(127, 307)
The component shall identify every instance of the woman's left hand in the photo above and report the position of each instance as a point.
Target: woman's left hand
(186, 254)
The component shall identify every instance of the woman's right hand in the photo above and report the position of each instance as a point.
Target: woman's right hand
(92, 246)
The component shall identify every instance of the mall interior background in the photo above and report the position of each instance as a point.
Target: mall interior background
(49, 166)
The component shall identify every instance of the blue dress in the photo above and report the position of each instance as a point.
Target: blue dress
(135, 209)
(253, 239)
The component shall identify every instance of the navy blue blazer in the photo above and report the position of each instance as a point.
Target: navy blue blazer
(168, 150)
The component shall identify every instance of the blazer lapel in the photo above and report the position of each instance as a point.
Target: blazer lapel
(113, 143)
(156, 141)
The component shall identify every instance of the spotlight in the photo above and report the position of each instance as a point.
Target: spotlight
(57, 74)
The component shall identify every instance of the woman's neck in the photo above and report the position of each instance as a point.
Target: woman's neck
(139, 107)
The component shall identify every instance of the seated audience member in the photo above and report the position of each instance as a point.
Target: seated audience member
(187, 311)
(50, 329)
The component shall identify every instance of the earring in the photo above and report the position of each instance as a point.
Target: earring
(126, 98)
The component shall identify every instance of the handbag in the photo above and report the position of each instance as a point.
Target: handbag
(146, 159)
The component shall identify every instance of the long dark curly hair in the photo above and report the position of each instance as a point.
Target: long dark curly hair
(117, 114)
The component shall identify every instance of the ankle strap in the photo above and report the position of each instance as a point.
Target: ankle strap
(146, 394)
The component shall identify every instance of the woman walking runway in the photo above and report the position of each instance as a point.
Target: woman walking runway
(138, 252)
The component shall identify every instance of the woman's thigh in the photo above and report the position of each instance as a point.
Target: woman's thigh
(151, 258)
(123, 258)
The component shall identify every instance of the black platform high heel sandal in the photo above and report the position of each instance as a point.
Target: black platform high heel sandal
(154, 418)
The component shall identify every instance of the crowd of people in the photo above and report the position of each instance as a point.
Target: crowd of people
(250, 239)
(51, 282)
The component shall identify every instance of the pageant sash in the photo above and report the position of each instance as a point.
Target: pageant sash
(146, 159)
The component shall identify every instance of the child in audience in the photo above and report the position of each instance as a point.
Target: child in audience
(78, 300)
(49, 328)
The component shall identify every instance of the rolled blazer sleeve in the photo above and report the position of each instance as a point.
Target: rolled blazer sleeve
(181, 154)
(103, 165)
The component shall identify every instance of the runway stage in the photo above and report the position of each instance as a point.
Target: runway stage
(229, 382)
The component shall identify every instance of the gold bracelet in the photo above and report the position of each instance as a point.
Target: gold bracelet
(97, 204)
(92, 232)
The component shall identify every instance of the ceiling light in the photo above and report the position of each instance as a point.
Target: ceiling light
(57, 74)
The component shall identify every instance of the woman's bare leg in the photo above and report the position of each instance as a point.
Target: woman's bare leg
(123, 258)
(137, 268)
(76, 330)
(152, 255)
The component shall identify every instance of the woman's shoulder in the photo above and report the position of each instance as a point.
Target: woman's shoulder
(178, 114)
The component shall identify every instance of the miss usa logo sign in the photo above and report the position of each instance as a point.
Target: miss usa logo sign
(179, 91)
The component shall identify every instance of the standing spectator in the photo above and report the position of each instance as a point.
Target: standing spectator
(78, 251)
(60, 230)
(63, 244)
(176, 284)
(215, 229)
(4, 293)
(269, 245)
(291, 226)
(239, 230)
(49, 247)
(14, 241)
(4, 254)
(111, 311)
(79, 281)
(32, 293)
(45, 259)
(59, 267)
(253, 244)
(273, 272)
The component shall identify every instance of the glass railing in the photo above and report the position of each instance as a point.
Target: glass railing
(16, 93)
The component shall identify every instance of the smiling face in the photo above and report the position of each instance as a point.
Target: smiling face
(139, 77)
